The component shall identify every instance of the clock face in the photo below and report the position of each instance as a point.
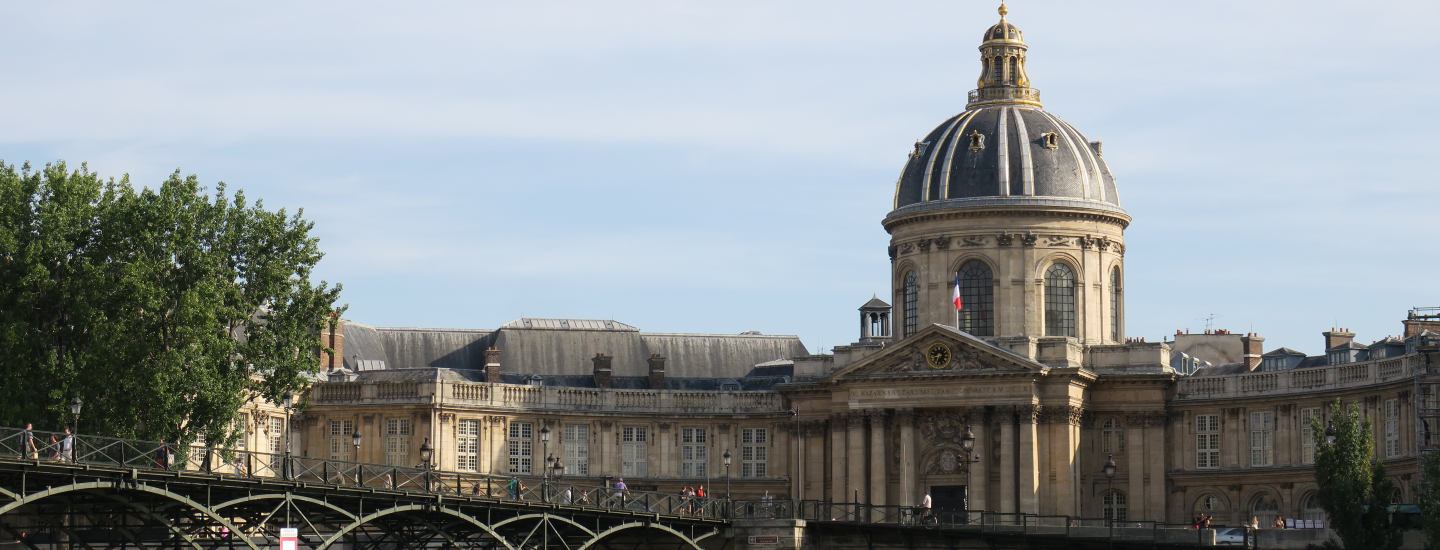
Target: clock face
(938, 356)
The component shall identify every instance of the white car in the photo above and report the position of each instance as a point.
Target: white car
(1230, 536)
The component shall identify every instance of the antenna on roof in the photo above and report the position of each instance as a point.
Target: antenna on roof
(1209, 322)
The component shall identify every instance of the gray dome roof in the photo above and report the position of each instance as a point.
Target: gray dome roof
(1008, 152)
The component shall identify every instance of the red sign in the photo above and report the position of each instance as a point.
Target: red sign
(289, 538)
(773, 540)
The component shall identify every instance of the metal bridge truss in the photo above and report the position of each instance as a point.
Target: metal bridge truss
(50, 505)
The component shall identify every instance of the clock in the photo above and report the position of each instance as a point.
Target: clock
(938, 356)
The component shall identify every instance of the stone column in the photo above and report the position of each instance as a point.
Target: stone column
(855, 458)
(906, 420)
(1136, 504)
(978, 481)
(666, 467)
(838, 424)
(815, 460)
(1029, 463)
(1006, 414)
(797, 461)
(878, 477)
(1063, 423)
(1155, 461)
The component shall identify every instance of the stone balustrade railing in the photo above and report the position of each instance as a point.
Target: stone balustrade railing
(1352, 375)
(552, 398)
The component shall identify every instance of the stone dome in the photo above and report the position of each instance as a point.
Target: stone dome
(1005, 151)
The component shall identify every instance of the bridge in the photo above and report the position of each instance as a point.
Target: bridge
(102, 492)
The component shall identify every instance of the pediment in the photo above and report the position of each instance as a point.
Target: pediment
(923, 354)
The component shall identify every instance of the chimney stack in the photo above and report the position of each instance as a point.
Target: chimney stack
(1253, 347)
(334, 338)
(492, 365)
(1337, 337)
(602, 370)
(657, 372)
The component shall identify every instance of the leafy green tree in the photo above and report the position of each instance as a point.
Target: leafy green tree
(1354, 490)
(1428, 497)
(164, 309)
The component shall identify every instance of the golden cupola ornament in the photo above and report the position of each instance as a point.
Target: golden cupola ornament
(1003, 80)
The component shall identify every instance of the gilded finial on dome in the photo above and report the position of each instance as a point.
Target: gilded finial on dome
(1003, 10)
(1003, 79)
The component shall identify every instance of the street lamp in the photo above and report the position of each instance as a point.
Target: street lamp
(75, 410)
(726, 459)
(1329, 433)
(1109, 471)
(545, 472)
(426, 453)
(967, 444)
(289, 403)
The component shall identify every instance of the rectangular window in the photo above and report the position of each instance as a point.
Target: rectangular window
(1392, 428)
(694, 452)
(467, 446)
(1262, 438)
(242, 424)
(520, 447)
(397, 441)
(634, 450)
(753, 446)
(340, 431)
(577, 449)
(1207, 441)
(277, 435)
(1307, 435)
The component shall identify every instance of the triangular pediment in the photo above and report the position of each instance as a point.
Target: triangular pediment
(939, 349)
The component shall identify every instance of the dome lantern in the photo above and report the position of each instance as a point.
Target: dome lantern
(1003, 80)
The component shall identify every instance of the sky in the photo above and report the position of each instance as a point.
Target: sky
(722, 167)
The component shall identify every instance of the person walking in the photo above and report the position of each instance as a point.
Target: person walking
(162, 456)
(27, 443)
(67, 447)
(621, 491)
(925, 504)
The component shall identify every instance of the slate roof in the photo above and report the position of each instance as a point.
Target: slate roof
(1282, 351)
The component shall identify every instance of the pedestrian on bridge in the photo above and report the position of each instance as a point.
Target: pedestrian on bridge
(67, 447)
(517, 489)
(27, 443)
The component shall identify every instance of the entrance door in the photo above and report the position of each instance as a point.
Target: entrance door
(948, 497)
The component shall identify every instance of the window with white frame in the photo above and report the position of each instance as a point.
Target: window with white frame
(1392, 428)
(276, 433)
(753, 446)
(1262, 438)
(467, 446)
(1115, 507)
(242, 424)
(694, 452)
(397, 441)
(634, 451)
(521, 447)
(1112, 436)
(1307, 434)
(1207, 441)
(340, 445)
(577, 449)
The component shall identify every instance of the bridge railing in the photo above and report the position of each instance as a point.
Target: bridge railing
(40, 446)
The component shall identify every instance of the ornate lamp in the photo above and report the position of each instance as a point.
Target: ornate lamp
(426, 452)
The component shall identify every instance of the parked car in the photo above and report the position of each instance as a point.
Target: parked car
(1230, 536)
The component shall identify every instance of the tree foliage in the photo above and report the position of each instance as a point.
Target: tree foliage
(1354, 489)
(1428, 497)
(164, 309)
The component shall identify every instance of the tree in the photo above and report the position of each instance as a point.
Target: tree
(1354, 490)
(1428, 497)
(165, 309)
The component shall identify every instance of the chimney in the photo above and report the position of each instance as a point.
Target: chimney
(1253, 347)
(492, 365)
(1337, 337)
(333, 337)
(657, 372)
(602, 370)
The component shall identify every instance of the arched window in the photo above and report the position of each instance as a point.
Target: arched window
(1059, 301)
(1265, 510)
(1112, 437)
(1114, 502)
(912, 299)
(977, 299)
(1115, 305)
(1313, 511)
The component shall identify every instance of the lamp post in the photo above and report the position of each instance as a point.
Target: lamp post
(545, 472)
(426, 453)
(1329, 433)
(1109, 471)
(728, 503)
(967, 444)
(355, 438)
(289, 403)
(75, 413)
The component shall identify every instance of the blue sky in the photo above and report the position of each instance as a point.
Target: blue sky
(723, 167)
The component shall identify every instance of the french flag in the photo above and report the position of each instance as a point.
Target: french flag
(956, 294)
